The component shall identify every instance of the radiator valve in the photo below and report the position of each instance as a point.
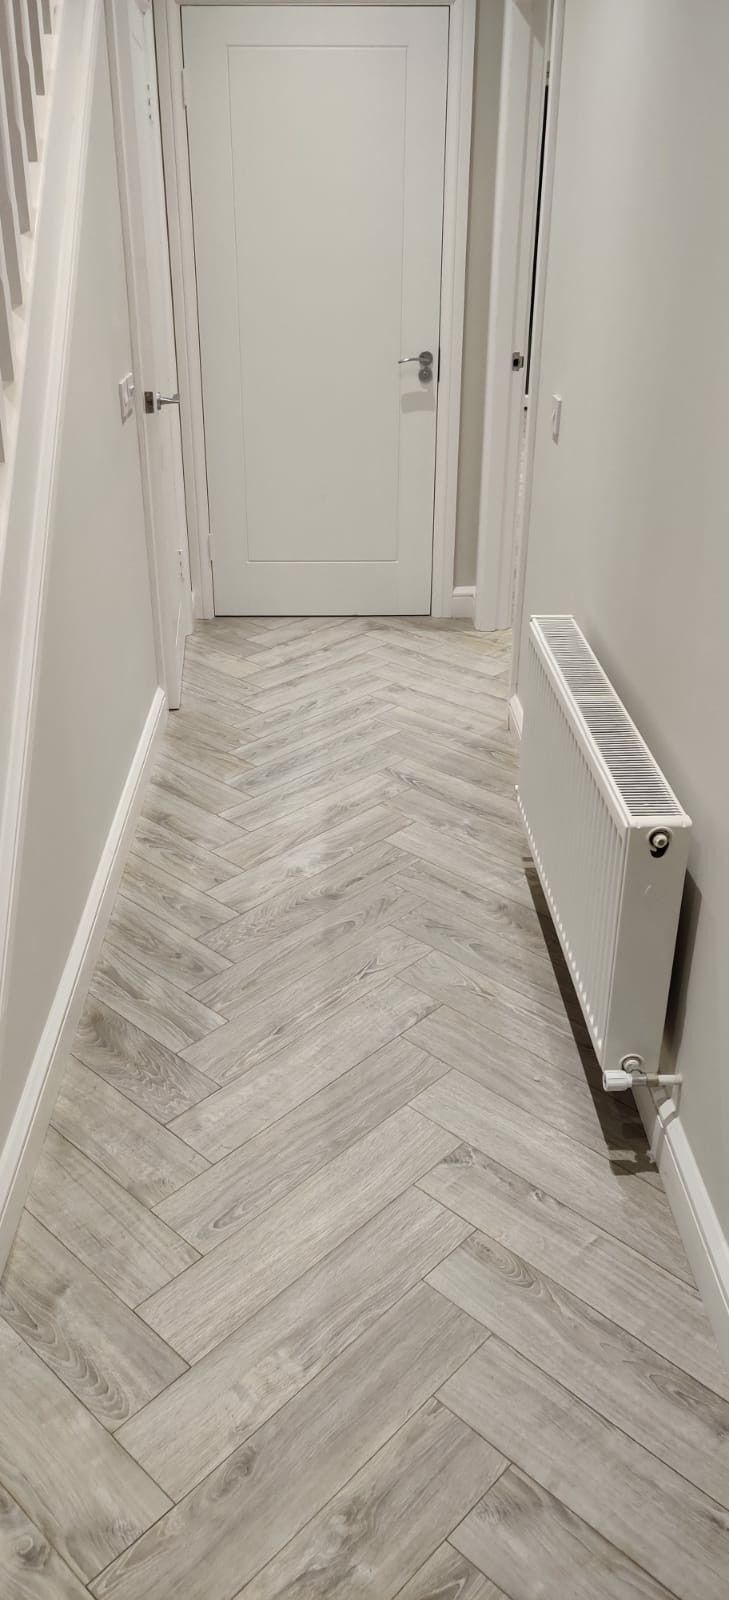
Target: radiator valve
(630, 1075)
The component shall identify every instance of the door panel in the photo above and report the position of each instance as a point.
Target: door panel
(316, 153)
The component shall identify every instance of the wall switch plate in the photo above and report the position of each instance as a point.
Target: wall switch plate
(126, 396)
(556, 416)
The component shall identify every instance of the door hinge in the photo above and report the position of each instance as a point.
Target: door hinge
(210, 549)
(185, 80)
(437, 375)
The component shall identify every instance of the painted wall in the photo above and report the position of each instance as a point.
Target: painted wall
(489, 28)
(97, 672)
(630, 512)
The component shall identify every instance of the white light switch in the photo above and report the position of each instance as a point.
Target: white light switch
(556, 416)
(126, 395)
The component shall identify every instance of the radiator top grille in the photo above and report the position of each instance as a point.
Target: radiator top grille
(636, 776)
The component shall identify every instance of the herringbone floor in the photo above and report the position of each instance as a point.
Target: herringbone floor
(340, 1276)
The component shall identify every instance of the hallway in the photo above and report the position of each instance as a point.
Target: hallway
(339, 1274)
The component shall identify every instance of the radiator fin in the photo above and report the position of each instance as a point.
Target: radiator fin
(576, 826)
(637, 777)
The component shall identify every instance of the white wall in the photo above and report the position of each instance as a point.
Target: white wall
(630, 512)
(489, 28)
(97, 668)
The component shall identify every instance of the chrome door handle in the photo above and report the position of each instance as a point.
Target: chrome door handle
(425, 364)
(154, 401)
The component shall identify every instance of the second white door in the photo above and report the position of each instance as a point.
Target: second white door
(316, 140)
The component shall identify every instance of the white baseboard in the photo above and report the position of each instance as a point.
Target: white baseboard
(516, 716)
(463, 601)
(28, 1128)
(706, 1245)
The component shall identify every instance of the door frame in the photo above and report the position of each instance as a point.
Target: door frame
(168, 664)
(461, 40)
(516, 713)
(500, 560)
(521, 101)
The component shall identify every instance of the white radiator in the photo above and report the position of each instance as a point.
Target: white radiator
(610, 844)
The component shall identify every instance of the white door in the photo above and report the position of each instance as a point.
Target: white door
(316, 138)
(517, 171)
(159, 366)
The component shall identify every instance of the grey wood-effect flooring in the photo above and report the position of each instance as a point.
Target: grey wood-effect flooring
(339, 1275)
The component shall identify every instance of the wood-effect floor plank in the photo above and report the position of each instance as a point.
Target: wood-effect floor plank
(104, 1354)
(373, 1534)
(225, 1530)
(294, 676)
(272, 965)
(656, 1517)
(125, 1245)
(364, 731)
(194, 1312)
(308, 859)
(176, 956)
(265, 1168)
(201, 759)
(304, 687)
(523, 1017)
(196, 786)
(130, 1146)
(618, 1202)
(654, 1305)
(265, 810)
(539, 1550)
(191, 823)
(31, 1568)
(194, 864)
(263, 1027)
(206, 1414)
(449, 1576)
(157, 1080)
(323, 1054)
(351, 704)
(299, 907)
(181, 904)
(155, 1005)
(507, 917)
(80, 1488)
(631, 1386)
(320, 705)
(464, 861)
(485, 949)
(567, 1101)
(311, 821)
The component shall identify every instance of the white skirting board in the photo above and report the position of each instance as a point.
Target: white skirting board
(463, 601)
(28, 1128)
(706, 1245)
(516, 716)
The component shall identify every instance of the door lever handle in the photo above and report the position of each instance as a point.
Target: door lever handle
(425, 365)
(154, 401)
